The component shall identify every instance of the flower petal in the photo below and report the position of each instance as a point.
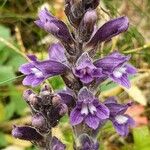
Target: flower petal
(84, 61)
(67, 97)
(85, 95)
(75, 116)
(54, 26)
(97, 72)
(130, 69)
(29, 79)
(92, 121)
(86, 79)
(26, 68)
(37, 81)
(122, 129)
(102, 112)
(116, 108)
(123, 80)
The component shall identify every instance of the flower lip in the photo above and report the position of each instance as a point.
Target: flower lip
(85, 70)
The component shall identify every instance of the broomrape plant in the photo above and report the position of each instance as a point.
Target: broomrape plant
(73, 59)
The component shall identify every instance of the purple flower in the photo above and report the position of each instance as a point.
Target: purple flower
(26, 133)
(87, 143)
(85, 70)
(120, 120)
(54, 26)
(115, 67)
(38, 71)
(88, 110)
(109, 30)
(57, 145)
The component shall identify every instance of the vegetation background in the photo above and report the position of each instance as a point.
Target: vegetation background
(19, 36)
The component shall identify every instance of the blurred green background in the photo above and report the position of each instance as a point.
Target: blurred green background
(20, 36)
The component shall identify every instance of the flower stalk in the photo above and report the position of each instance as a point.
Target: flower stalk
(73, 59)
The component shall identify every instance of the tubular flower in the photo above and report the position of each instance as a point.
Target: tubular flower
(88, 110)
(38, 71)
(120, 120)
(115, 67)
(54, 26)
(109, 30)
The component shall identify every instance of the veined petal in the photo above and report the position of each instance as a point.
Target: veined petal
(116, 108)
(97, 72)
(123, 80)
(121, 129)
(86, 79)
(37, 81)
(92, 121)
(75, 116)
(54, 26)
(29, 79)
(102, 112)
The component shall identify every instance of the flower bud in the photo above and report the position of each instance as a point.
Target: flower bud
(39, 122)
(46, 97)
(56, 144)
(35, 102)
(87, 25)
(63, 110)
(56, 100)
(28, 94)
(26, 133)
